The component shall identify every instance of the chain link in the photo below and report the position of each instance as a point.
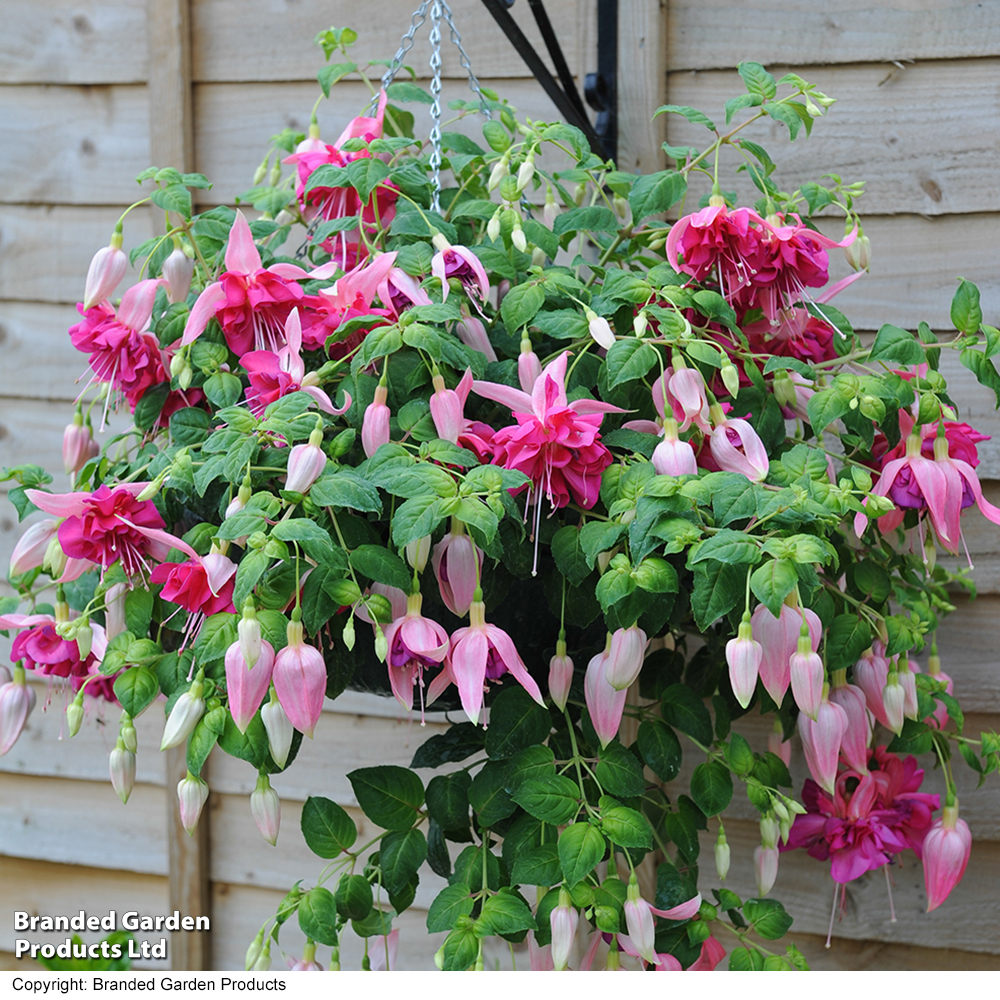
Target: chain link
(465, 61)
(435, 137)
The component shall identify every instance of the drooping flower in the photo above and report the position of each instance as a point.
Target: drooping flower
(202, 585)
(779, 639)
(743, 654)
(278, 728)
(946, 850)
(107, 268)
(736, 447)
(870, 674)
(563, 921)
(461, 263)
(383, 950)
(806, 669)
(560, 675)
(265, 807)
(457, 564)
(251, 302)
(625, 656)
(821, 740)
(192, 794)
(121, 766)
(299, 678)
(29, 552)
(79, 446)
(306, 463)
(472, 333)
(247, 685)
(604, 703)
(184, 716)
(17, 701)
(854, 745)
(178, 269)
(415, 643)
(479, 653)
(375, 425)
(639, 921)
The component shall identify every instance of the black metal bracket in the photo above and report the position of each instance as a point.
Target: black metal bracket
(600, 87)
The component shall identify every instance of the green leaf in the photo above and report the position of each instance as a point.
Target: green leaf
(619, 772)
(628, 360)
(458, 743)
(660, 748)
(758, 81)
(401, 853)
(189, 426)
(326, 827)
(553, 798)
(389, 796)
(894, 345)
(537, 866)
(382, 566)
(452, 902)
(655, 193)
(746, 960)
(983, 368)
(562, 324)
(415, 518)
(448, 800)
(728, 546)
(581, 848)
(318, 915)
(626, 827)
(378, 923)
(847, 638)
(135, 689)
(354, 897)
(346, 488)
(718, 588)
(461, 948)
(693, 115)
(915, 738)
(966, 313)
(685, 711)
(531, 762)
(173, 198)
(516, 721)
(222, 389)
(520, 305)
(251, 568)
(314, 540)
(826, 406)
(711, 787)
(592, 218)
(488, 794)
(504, 913)
(571, 560)
(138, 610)
(773, 582)
(767, 917)
(739, 103)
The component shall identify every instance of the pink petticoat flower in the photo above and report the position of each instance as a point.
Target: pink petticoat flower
(736, 447)
(461, 263)
(779, 639)
(946, 850)
(457, 564)
(299, 679)
(415, 644)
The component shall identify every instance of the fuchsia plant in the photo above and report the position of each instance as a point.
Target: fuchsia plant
(643, 468)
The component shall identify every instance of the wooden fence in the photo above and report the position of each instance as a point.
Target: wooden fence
(92, 92)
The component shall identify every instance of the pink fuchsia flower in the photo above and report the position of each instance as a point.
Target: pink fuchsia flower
(299, 679)
(963, 489)
(472, 333)
(604, 703)
(29, 553)
(457, 564)
(17, 701)
(672, 456)
(275, 374)
(107, 268)
(400, 291)
(106, 526)
(446, 411)
(563, 921)
(870, 674)
(250, 302)
(854, 745)
(265, 807)
(306, 463)
(539, 956)
(461, 263)
(736, 447)
(794, 333)
(202, 585)
(765, 866)
(556, 444)
(178, 269)
(278, 728)
(415, 643)
(946, 850)
(375, 425)
(625, 656)
(684, 389)
(743, 654)
(821, 740)
(528, 366)
(480, 653)
(79, 446)
(560, 675)
(806, 670)
(779, 639)
(383, 950)
(247, 686)
(639, 921)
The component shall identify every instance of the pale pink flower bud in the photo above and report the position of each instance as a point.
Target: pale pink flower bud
(472, 332)
(446, 411)
(529, 368)
(457, 563)
(114, 610)
(687, 386)
(563, 920)
(300, 680)
(266, 809)
(518, 239)
(418, 552)
(934, 669)
(55, 560)
(192, 794)
(78, 446)
(250, 638)
(184, 716)
(859, 253)
(16, 702)
(493, 227)
(779, 638)
(743, 655)
(375, 426)
(247, 686)
(908, 682)
(279, 731)
(107, 268)
(122, 767)
(29, 553)
(946, 850)
(600, 329)
(177, 270)
(723, 855)
(673, 457)
(807, 677)
(894, 700)
(605, 704)
(765, 866)
(628, 650)
(821, 742)
(854, 745)
(4, 675)
(305, 465)
(550, 210)
(307, 963)
(560, 675)
(235, 506)
(870, 674)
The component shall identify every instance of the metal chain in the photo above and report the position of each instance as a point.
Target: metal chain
(419, 16)
(435, 136)
(465, 61)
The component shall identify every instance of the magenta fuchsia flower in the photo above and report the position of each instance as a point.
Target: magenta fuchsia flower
(106, 526)
(946, 850)
(246, 685)
(457, 564)
(202, 585)
(299, 679)
(794, 333)
(604, 703)
(779, 639)
(275, 374)
(870, 817)
(250, 302)
(415, 643)
(480, 653)
(107, 268)
(556, 444)
(461, 263)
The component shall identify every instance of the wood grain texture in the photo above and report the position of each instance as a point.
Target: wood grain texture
(279, 34)
(171, 126)
(719, 33)
(39, 358)
(641, 84)
(923, 138)
(870, 956)
(88, 41)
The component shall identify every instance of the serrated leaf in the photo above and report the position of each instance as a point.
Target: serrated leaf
(581, 848)
(711, 787)
(693, 115)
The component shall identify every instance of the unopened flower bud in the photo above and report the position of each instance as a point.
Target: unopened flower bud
(622, 209)
(74, 715)
(114, 610)
(261, 172)
(55, 560)
(859, 253)
(266, 809)
(178, 269)
(79, 446)
(538, 256)
(192, 794)
(255, 950)
(640, 322)
(500, 170)
(563, 921)
(264, 962)
(493, 226)
(184, 379)
(381, 644)
(187, 711)
(550, 210)
(418, 552)
(122, 766)
(722, 855)
(127, 733)
(348, 635)
(731, 379)
(250, 635)
(560, 675)
(579, 193)
(107, 268)
(600, 329)
(305, 465)
(526, 171)
(278, 728)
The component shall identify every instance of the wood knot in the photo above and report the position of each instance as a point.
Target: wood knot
(82, 26)
(87, 147)
(931, 189)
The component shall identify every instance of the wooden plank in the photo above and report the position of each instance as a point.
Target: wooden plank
(234, 122)
(642, 84)
(88, 41)
(171, 127)
(876, 132)
(101, 133)
(238, 40)
(870, 956)
(45, 250)
(965, 922)
(719, 33)
(44, 887)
